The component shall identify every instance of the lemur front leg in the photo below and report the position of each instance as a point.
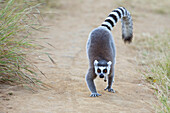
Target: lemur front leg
(90, 83)
(110, 82)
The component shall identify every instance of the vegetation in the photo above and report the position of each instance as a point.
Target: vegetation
(17, 19)
(154, 50)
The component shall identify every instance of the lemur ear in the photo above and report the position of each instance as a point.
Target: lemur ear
(96, 62)
(109, 63)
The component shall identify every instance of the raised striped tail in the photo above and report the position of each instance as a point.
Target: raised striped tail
(126, 20)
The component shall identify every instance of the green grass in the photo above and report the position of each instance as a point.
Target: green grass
(17, 20)
(154, 54)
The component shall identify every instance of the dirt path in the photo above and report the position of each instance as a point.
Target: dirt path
(70, 28)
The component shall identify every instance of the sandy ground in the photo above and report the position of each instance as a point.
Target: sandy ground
(69, 29)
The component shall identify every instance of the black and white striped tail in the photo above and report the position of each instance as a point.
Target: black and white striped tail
(126, 20)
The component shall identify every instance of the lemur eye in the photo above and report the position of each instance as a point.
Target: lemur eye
(105, 71)
(98, 70)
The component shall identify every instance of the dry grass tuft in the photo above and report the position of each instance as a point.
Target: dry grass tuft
(17, 20)
(155, 63)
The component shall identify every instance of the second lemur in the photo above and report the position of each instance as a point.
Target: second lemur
(101, 48)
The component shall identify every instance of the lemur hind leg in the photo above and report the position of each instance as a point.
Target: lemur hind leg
(90, 83)
(110, 82)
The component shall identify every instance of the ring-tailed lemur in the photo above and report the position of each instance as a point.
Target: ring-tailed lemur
(101, 48)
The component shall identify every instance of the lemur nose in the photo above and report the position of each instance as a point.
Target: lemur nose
(101, 76)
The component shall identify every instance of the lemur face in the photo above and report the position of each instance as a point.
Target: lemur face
(102, 69)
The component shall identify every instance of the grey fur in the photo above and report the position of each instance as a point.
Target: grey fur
(127, 28)
(101, 47)
(102, 63)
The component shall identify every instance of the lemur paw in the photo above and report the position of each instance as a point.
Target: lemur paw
(109, 89)
(95, 95)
